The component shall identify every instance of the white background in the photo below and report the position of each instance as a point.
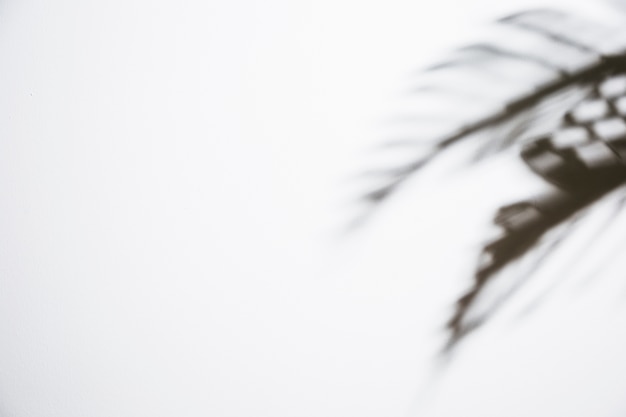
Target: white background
(174, 178)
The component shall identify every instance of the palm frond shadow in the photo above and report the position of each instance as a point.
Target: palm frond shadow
(566, 68)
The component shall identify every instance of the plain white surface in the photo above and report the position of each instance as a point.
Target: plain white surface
(173, 178)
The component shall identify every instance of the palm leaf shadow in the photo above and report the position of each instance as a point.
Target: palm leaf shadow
(517, 122)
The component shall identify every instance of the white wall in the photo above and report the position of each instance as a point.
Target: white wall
(173, 177)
